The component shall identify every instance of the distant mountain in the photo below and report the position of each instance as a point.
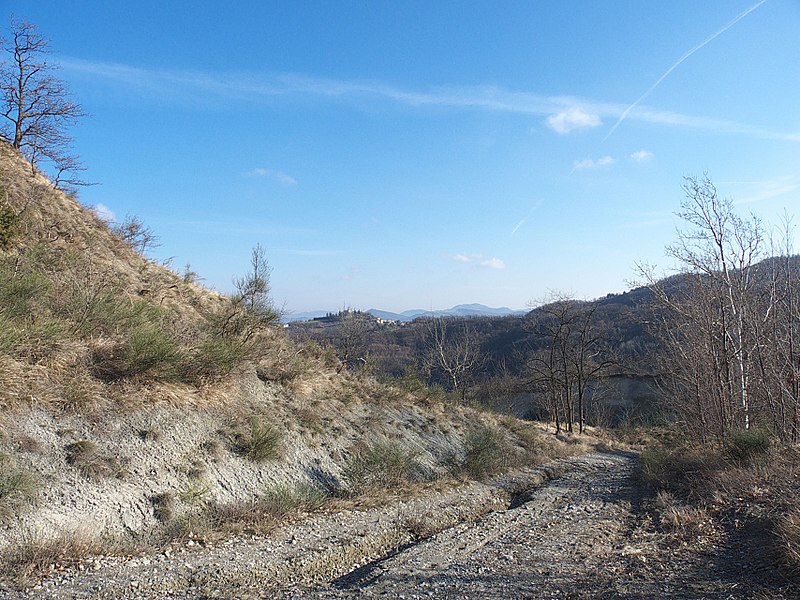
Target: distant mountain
(461, 310)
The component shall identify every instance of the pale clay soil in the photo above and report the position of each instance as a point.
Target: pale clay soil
(574, 528)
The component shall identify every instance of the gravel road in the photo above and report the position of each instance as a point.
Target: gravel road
(571, 529)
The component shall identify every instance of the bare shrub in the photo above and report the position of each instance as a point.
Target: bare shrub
(136, 234)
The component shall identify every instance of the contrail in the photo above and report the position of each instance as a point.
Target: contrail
(679, 61)
(528, 216)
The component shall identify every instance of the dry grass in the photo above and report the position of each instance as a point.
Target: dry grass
(18, 488)
(748, 486)
(381, 465)
(87, 457)
(787, 541)
(33, 558)
(259, 441)
(276, 505)
(685, 521)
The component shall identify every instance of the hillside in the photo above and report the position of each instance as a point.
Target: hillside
(139, 408)
(623, 326)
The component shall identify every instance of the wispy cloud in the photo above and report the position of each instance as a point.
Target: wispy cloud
(642, 156)
(295, 252)
(766, 190)
(590, 163)
(572, 119)
(104, 213)
(493, 263)
(677, 63)
(352, 273)
(563, 113)
(478, 260)
(278, 176)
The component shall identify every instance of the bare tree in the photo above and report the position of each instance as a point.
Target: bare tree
(453, 349)
(731, 323)
(567, 359)
(136, 234)
(351, 340)
(35, 105)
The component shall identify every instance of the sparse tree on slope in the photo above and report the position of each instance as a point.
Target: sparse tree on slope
(35, 105)
(454, 350)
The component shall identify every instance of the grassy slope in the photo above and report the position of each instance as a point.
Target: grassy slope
(97, 443)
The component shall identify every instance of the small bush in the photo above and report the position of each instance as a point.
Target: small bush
(686, 471)
(215, 358)
(744, 446)
(147, 350)
(282, 500)
(385, 464)
(195, 493)
(85, 456)
(34, 340)
(151, 349)
(485, 452)
(22, 292)
(277, 503)
(261, 442)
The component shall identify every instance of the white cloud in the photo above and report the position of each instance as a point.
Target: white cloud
(278, 176)
(479, 261)
(641, 156)
(571, 119)
(493, 263)
(104, 213)
(590, 163)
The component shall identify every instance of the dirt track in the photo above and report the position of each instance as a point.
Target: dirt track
(583, 535)
(572, 529)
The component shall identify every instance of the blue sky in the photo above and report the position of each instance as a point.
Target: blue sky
(424, 154)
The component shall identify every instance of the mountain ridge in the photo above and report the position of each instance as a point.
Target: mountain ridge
(459, 310)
